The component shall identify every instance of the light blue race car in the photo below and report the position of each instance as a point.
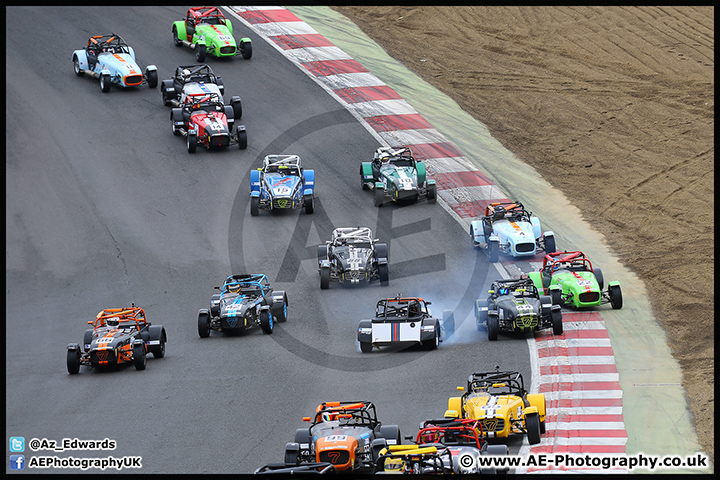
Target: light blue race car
(509, 228)
(112, 61)
(281, 184)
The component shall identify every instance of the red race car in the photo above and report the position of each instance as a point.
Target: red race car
(207, 121)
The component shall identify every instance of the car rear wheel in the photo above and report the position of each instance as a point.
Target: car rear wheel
(550, 244)
(254, 206)
(383, 272)
(556, 296)
(325, 278)
(309, 204)
(365, 347)
(76, 66)
(481, 313)
(246, 50)
(175, 131)
(139, 356)
(557, 324)
(494, 251)
(616, 299)
(599, 277)
(280, 312)
(204, 324)
(266, 321)
(433, 343)
(532, 425)
(492, 326)
(158, 350)
(379, 197)
(432, 194)
(73, 361)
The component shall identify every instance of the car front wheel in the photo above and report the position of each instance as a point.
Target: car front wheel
(139, 356)
(73, 361)
(76, 66)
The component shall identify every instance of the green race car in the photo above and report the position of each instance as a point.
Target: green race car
(207, 31)
(394, 174)
(570, 279)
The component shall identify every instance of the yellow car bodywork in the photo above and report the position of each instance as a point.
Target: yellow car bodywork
(501, 415)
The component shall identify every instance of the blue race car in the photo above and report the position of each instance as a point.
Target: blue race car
(244, 301)
(110, 59)
(281, 184)
(509, 228)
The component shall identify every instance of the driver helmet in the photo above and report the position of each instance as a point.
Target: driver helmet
(233, 288)
(329, 417)
(429, 437)
(112, 322)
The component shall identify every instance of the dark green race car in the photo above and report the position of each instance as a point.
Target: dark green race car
(394, 174)
(207, 31)
(570, 279)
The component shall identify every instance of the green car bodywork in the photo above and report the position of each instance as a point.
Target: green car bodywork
(208, 32)
(394, 174)
(570, 279)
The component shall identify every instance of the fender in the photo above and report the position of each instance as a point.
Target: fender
(278, 296)
(180, 28)
(73, 347)
(454, 405)
(228, 24)
(156, 333)
(529, 410)
(537, 400)
(421, 174)
(151, 68)
(245, 40)
(427, 329)
(82, 59)
(477, 231)
(365, 331)
(614, 283)
(366, 172)
(309, 186)
(536, 277)
(131, 51)
(537, 231)
(379, 186)
(255, 183)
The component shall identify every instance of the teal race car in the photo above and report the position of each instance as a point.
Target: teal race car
(570, 279)
(208, 32)
(394, 174)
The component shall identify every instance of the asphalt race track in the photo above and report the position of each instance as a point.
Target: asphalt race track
(106, 207)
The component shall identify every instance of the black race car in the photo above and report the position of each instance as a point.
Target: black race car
(352, 255)
(347, 435)
(119, 335)
(244, 301)
(194, 80)
(516, 305)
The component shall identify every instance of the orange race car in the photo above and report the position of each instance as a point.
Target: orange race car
(347, 435)
(119, 335)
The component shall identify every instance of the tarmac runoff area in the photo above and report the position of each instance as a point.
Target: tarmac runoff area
(649, 415)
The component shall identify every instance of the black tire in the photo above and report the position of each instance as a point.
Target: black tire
(599, 277)
(254, 206)
(550, 244)
(616, 299)
(494, 251)
(200, 52)
(105, 83)
(365, 347)
(158, 351)
(432, 194)
(241, 138)
(324, 278)
(532, 425)
(166, 102)
(246, 50)
(435, 341)
(266, 322)
(364, 185)
(204, 324)
(176, 39)
(379, 197)
(139, 356)
(493, 327)
(292, 458)
(390, 432)
(384, 274)
(73, 361)
(87, 339)
(309, 204)
(556, 296)
(280, 313)
(175, 131)
(152, 78)
(557, 324)
(236, 105)
(76, 66)
(191, 142)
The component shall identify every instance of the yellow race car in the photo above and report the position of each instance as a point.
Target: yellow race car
(501, 403)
